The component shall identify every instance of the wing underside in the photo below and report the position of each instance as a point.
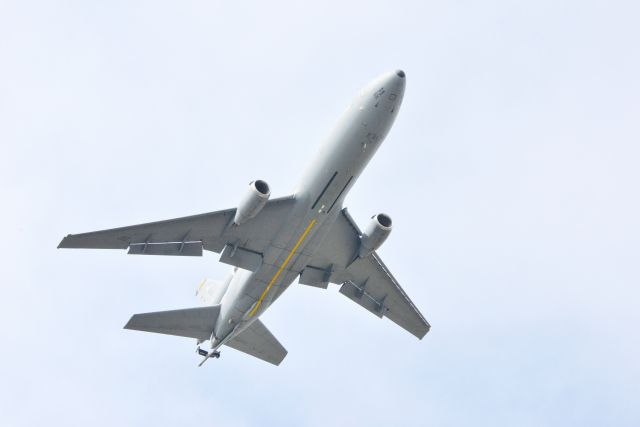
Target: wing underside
(366, 281)
(188, 236)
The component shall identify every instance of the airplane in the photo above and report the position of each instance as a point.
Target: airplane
(270, 242)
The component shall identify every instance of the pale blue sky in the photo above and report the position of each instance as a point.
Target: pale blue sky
(511, 175)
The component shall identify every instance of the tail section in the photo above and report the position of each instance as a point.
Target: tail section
(190, 322)
(200, 323)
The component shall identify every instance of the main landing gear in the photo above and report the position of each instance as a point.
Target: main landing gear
(207, 354)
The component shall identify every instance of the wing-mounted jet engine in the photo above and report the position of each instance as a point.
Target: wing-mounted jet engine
(375, 234)
(252, 202)
(250, 206)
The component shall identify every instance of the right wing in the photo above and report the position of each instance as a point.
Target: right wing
(189, 235)
(257, 341)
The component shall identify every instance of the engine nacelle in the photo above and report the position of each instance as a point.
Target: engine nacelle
(253, 201)
(375, 234)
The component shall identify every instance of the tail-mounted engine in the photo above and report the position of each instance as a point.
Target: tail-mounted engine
(375, 234)
(253, 201)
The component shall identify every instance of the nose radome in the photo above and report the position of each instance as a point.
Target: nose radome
(392, 81)
(396, 81)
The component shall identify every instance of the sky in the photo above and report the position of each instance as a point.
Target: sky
(511, 175)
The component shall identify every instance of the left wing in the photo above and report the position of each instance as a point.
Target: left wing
(189, 235)
(366, 281)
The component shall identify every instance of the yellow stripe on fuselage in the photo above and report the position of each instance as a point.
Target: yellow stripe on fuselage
(282, 267)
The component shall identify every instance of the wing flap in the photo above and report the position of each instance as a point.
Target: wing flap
(257, 341)
(191, 322)
(175, 249)
(360, 296)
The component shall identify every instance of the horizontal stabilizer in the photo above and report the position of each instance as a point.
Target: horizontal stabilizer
(257, 341)
(190, 322)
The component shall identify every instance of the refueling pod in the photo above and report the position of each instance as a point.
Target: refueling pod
(375, 234)
(252, 202)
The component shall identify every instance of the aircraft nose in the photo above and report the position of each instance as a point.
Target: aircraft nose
(387, 88)
(396, 81)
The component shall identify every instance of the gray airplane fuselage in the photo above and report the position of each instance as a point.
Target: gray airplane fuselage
(318, 200)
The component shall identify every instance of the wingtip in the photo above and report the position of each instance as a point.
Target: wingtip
(62, 245)
(129, 323)
(283, 357)
(428, 328)
(277, 363)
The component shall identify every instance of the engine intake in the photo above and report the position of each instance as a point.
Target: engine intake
(375, 234)
(253, 201)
